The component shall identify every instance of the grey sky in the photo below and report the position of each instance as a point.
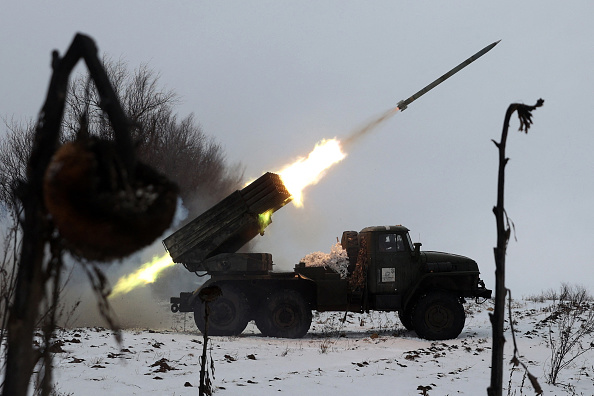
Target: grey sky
(268, 79)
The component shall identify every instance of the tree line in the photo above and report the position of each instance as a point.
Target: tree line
(173, 145)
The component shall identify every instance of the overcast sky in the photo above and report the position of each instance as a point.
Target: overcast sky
(268, 79)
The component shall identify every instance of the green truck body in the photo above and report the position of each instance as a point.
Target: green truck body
(386, 272)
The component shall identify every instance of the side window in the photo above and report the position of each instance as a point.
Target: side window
(390, 243)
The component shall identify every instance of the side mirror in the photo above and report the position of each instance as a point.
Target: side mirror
(417, 253)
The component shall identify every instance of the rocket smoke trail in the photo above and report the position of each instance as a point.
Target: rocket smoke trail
(370, 126)
(403, 104)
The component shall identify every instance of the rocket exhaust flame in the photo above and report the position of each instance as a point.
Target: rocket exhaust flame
(147, 273)
(308, 171)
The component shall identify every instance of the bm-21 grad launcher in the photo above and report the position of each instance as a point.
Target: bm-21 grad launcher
(209, 242)
(387, 272)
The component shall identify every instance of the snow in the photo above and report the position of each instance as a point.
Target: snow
(336, 260)
(368, 353)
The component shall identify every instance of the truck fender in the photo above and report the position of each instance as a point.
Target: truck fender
(423, 285)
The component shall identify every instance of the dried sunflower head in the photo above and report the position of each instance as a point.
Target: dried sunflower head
(102, 212)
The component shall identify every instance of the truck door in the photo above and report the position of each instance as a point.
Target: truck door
(391, 259)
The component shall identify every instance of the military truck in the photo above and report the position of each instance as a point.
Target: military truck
(386, 272)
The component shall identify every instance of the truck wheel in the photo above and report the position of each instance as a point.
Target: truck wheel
(406, 318)
(438, 316)
(229, 313)
(285, 314)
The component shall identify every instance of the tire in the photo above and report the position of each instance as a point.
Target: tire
(285, 314)
(438, 316)
(229, 313)
(406, 319)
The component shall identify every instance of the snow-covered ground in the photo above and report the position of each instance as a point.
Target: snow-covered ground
(369, 354)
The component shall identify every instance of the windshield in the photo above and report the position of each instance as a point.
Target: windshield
(412, 248)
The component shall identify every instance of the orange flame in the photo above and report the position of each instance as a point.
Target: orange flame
(147, 273)
(308, 171)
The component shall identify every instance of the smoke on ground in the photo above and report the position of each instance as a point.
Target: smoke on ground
(145, 307)
(336, 260)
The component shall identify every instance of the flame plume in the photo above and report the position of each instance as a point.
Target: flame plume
(146, 274)
(308, 171)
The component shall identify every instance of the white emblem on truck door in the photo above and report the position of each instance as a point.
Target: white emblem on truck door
(388, 274)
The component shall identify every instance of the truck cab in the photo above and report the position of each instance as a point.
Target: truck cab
(391, 273)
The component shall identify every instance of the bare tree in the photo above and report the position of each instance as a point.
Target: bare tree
(176, 147)
(196, 162)
(503, 235)
(10, 246)
(139, 92)
(15, 148)
(571, 323)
